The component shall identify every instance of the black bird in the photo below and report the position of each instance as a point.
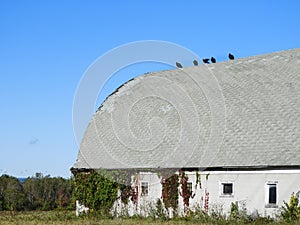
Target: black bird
(195, 63)
(205, 61)
(213, 60)
(178, 65)
(230, 56)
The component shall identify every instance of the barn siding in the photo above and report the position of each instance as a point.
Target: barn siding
(249, 191)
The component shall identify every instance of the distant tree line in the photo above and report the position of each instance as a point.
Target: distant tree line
(36, 193)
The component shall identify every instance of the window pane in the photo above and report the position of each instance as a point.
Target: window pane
(144, 188)
(227, 189)
(272, 194)
(190, 187)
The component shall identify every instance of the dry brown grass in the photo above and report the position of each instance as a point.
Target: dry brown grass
(69, 218)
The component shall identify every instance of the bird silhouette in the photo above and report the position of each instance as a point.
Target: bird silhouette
(178, 65)
(205, 61)
(230, 56)
(195, 63)
(213, 60)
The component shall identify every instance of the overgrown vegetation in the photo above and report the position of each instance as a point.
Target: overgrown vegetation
(65, 217)
(170, 191)
(290, 212)
(96, 191)
(185, 193)
(99, 193)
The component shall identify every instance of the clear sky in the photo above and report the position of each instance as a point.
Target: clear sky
(46, 46)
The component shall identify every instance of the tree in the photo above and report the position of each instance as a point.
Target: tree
(46, 193)
(12, 196)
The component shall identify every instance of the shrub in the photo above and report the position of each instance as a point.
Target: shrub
(160, 211)
(96, 191)
(291, 211)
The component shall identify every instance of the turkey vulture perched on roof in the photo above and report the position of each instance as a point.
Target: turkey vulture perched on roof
(213, 60)
(205, 61)
(230, 56)
(178, 65)
(195, 63)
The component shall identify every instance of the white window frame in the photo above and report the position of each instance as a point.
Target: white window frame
(144, 194)
(267, 193)
(221, 188)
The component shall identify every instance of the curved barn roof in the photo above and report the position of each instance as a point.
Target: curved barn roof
(241, 113)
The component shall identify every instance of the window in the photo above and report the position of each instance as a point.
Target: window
(145, 188)
(271, 194)
(226, 189)
(190, 187)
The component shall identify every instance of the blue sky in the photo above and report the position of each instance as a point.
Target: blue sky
(46, 46)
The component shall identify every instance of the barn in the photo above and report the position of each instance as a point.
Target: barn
(230, 131)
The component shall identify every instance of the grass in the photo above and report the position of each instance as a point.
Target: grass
(68, 218)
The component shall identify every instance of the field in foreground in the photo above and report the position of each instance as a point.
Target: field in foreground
(69, 218)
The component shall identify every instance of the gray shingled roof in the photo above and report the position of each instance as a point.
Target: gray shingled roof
(237, 113)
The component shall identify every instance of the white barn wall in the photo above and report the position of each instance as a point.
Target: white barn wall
(249, 188)
(154, 192)
(249, 191)
(144, 202)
